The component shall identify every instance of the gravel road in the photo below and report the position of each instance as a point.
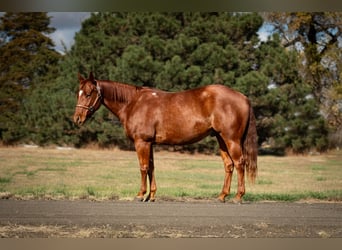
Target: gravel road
(117, 219)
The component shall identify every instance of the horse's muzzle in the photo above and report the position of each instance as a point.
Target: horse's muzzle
(78, 121)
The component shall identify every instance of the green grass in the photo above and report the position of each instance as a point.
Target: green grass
(114, 174)
(318, 168)
(264, 182)
(320, 178)
(331, 195)
(5, 180)
(91, 191)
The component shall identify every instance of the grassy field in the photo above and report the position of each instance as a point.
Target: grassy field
(113, 174)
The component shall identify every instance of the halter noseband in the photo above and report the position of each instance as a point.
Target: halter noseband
(91, 108)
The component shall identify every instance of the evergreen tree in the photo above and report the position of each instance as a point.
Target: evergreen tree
(26, 54)
(287, 114)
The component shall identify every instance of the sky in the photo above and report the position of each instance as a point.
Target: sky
(68, 23)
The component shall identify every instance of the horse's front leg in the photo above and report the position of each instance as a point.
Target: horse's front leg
(143, 150)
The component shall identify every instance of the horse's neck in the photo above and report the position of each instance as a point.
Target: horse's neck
(116, 96)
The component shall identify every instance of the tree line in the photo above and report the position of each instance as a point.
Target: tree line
(170, 51)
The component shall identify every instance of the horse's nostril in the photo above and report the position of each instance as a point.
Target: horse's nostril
(77, 120)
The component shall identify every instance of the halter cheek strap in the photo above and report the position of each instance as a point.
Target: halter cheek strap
(91, 108)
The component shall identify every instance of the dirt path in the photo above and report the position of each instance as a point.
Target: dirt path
(113, 219)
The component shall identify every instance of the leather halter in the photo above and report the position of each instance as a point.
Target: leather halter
(91, 108)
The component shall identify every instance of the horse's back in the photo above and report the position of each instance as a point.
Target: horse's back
(201, 93)
(225, 92)
(202, 100)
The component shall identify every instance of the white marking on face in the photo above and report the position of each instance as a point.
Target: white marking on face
(154, 93)
(80, 93)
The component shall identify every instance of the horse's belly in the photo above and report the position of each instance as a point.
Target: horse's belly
(180, 140)
(182, 134)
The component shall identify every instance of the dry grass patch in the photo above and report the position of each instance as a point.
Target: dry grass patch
(114, 174)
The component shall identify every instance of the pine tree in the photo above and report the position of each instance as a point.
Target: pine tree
(26, 54)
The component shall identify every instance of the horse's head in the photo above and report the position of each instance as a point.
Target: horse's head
(88, 99)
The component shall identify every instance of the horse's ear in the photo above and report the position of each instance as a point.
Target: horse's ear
(80, 77)
(92, 78)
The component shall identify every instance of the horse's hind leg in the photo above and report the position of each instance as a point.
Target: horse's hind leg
(228, 168)
(152, 179)
(234, 152)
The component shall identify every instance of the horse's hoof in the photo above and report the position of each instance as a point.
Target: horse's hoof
(148, 199)
(219, 200)
(237, 201)
(139, 199)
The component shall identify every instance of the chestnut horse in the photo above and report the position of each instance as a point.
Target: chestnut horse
(151, 116)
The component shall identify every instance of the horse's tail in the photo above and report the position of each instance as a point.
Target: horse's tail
(250, 147)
